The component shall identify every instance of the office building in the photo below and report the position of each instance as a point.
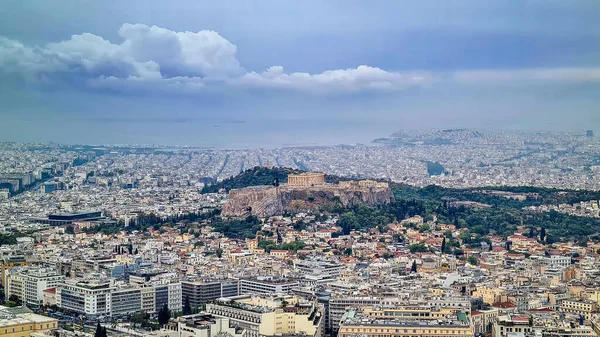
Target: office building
(199, 292)
(28, 284)
(267, 285)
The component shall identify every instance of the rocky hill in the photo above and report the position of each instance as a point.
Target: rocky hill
(268, 200)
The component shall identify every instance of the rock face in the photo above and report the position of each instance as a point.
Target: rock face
(265, 201)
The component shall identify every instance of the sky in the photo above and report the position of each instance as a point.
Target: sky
(274, 73)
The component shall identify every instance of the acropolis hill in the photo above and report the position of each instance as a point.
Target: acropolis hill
(304, 192)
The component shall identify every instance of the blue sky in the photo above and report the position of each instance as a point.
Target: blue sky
(382, 65)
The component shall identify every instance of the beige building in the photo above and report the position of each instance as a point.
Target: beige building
(584, 308)
(356, 324)
(306, 179)
(242, 258)
(270, 315)
(203, 325)
(279, 254)
(490, 295)
(410, 313)
(18, 322)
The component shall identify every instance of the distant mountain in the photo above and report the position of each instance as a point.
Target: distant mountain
(255, 176)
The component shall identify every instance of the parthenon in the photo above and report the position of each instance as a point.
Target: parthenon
(306, 179)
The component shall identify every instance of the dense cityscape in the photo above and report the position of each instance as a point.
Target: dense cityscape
(311, 168)
(423, 233)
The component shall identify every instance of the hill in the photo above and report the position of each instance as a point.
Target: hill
(255, 176)
(259, 176)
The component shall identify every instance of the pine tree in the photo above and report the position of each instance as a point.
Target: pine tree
(164, 315)
(413, 268)
(543, 234)
(187, 309)
(100, 331)
(444, 245)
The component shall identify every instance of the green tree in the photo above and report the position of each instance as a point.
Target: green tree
(413, 268)
(443, 245)
(100, 331)
(348, 252)
(542, 234)
(70, 230)
(418, 248)
(187, 308)
(472, 260)
(424, 228)
(164, 315)
(219, 253)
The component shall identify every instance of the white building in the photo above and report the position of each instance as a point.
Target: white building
(28, 283)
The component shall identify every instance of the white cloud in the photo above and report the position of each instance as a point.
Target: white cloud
(341, 80)
(151, 58)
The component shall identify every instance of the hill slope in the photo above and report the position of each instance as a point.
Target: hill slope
(255, 176)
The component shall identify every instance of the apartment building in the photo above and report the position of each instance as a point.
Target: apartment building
(270, 315)
(199, 292)
(338, 307)
(585, 308)
(28, 284)
(267, 285)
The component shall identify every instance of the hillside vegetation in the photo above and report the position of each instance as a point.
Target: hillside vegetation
(252, 177)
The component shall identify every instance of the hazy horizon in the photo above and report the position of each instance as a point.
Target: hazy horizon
(255, 74)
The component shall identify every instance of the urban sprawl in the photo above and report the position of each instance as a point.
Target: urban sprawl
(478, 233)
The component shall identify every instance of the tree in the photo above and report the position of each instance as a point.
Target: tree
(443, 245)
(413, 268)
(542, 234)
(472, 260)
(100, 331)
(164, 315)
(531, 233)
(348, 251)
(14, 298)
(424, 228)
(138, 318)
(187, 308)
(418, 248)
(70, 230)
(219, 253)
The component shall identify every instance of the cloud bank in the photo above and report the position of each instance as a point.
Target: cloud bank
(151, 58)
